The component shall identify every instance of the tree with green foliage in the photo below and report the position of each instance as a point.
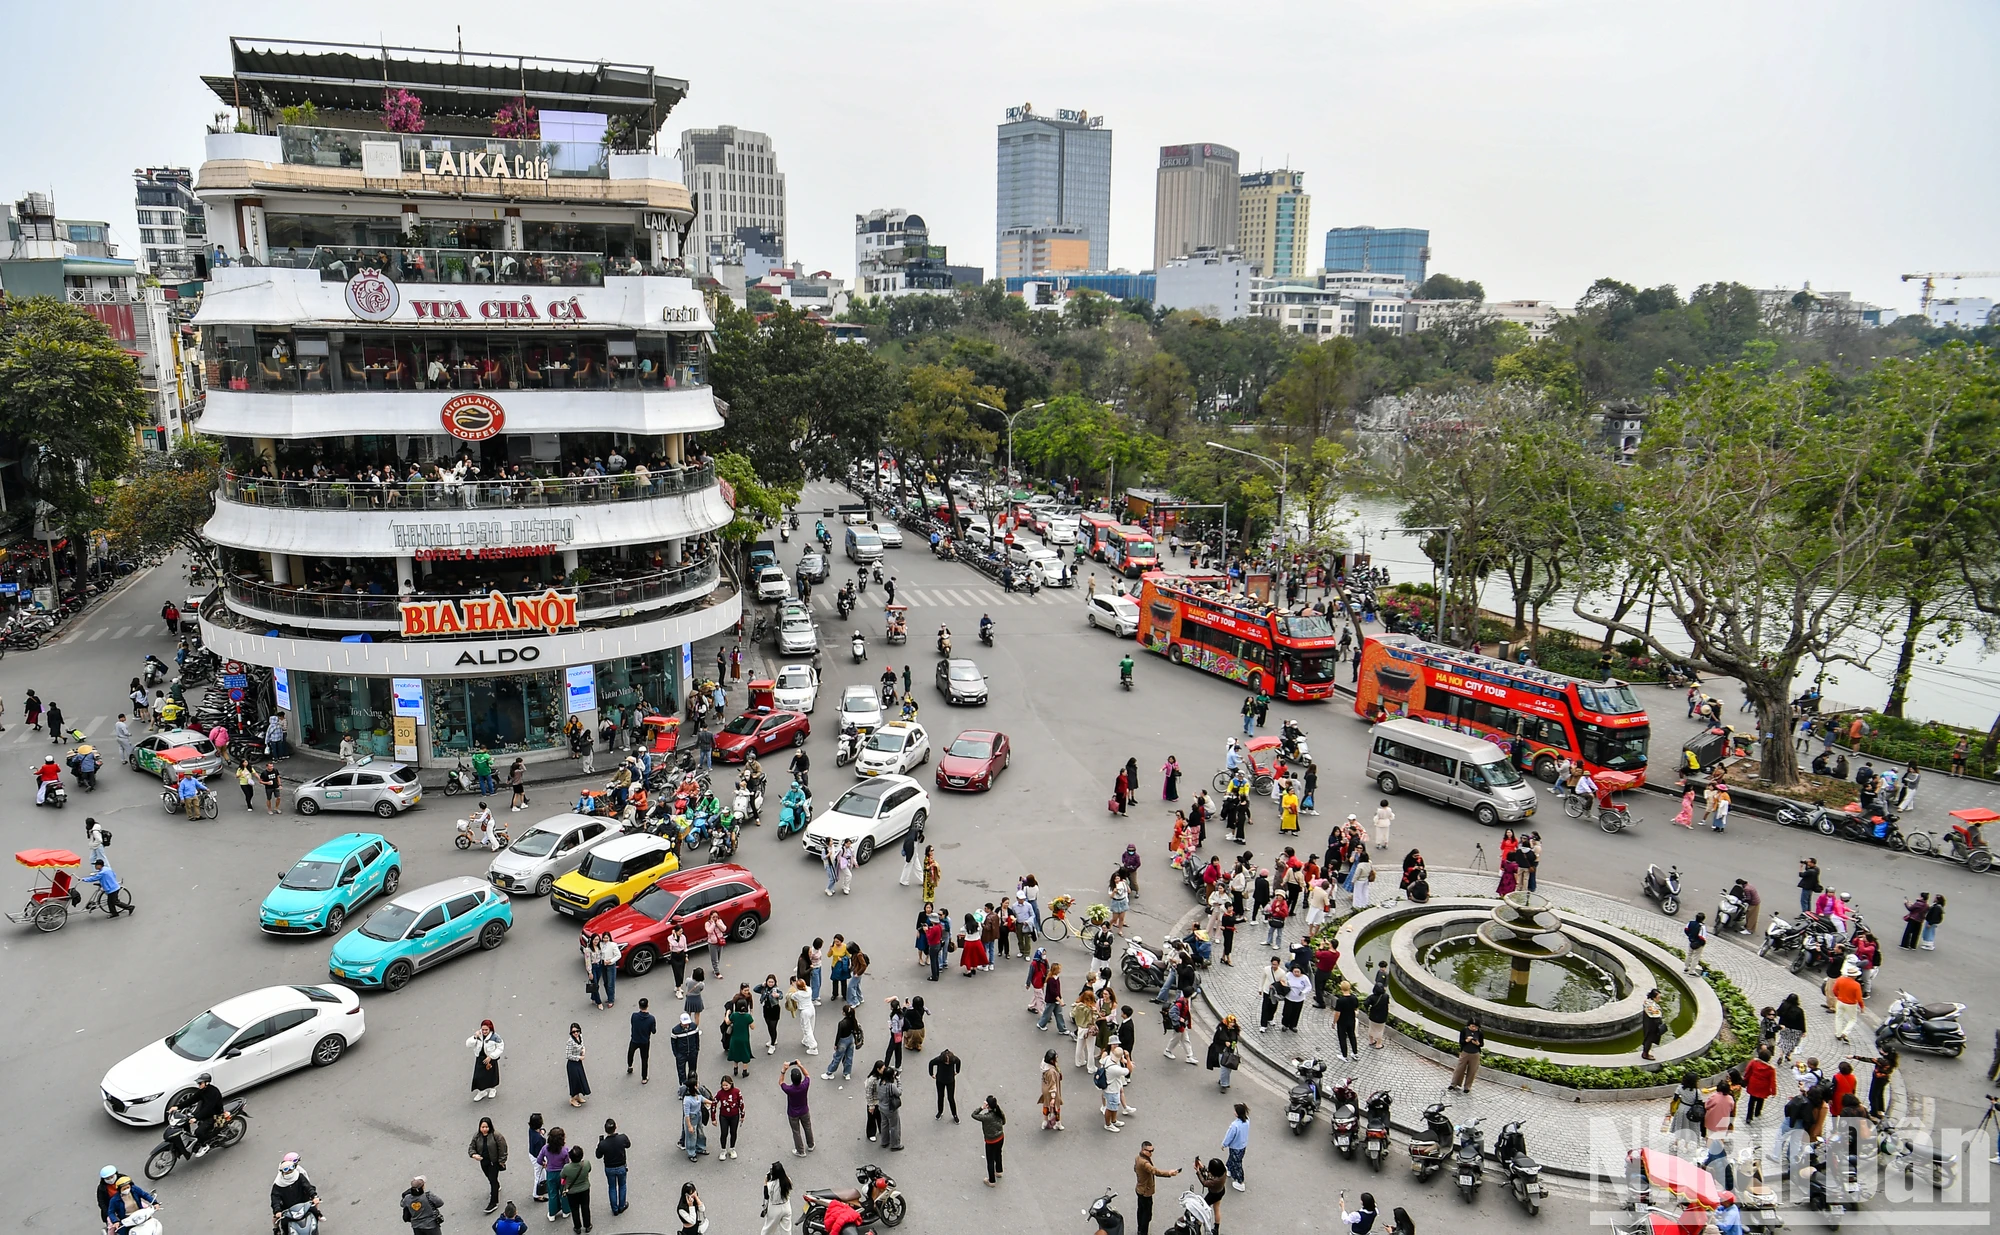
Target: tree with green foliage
(70, 401)
(936, 424)
(167, 503)
(1162, 394)
(758, 505)
(1444, 287)
(798, 401)
(1546, 367)
(1769, 504)
(1317, 385)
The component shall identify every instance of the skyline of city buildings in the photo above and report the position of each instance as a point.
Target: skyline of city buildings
(1195, 200)
(734, 178)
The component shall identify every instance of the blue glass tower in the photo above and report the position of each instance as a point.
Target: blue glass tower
(1401, 251)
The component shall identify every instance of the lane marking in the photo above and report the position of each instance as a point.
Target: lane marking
(97, 634)
(122, 632)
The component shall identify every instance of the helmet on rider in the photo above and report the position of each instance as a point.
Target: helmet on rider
(288, 1168)
(109, 1172)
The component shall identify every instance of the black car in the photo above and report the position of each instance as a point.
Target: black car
(960, 681)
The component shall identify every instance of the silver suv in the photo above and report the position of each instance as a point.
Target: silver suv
(549, 850)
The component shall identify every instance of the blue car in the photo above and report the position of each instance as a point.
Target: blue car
(324, 887)
(421, 928)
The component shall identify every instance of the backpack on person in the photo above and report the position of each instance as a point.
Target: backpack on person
(1098, 1078)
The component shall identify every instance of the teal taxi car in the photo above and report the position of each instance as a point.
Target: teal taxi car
(420, 929)
(323, 888)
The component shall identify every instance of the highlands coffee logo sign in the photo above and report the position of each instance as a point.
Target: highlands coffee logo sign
(548, 613)
(372, 296)
(473, 417)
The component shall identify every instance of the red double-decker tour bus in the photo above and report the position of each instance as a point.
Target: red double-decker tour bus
(1191, 619)
(1599, 723)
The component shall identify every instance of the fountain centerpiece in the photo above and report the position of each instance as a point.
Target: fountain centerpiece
(1525, 929)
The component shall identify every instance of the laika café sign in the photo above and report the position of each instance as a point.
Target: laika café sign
(480, 164)
(545, 614)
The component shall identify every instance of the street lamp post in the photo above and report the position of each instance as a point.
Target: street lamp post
(1444, 591)
(1011, 417)
(1282, 466)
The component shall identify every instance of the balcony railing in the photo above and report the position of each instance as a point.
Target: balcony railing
(603, 599)
(337, 263)
(465, 495)
(317, 147)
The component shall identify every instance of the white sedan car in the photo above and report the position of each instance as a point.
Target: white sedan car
(892, 536)
(896, 747)
(797, 688)
(239, 1042)
(872, 814)
(861, 707)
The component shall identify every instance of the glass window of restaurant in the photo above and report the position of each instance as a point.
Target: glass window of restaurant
(332, 706)
(308, 231)
(506, 715)
(651, 679)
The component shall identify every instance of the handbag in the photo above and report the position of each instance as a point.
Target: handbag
(1230, 1060)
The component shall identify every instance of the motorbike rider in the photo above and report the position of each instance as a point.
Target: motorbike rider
(109, 1182)
(944, 641)
(292, 1187)
(889, 678)
(483, 827)
(1125, 668)
(986, 627)
(207, 1115)
(850, 736)
(1289, 734)
(909, 707)
(46, 775)
(795, 800)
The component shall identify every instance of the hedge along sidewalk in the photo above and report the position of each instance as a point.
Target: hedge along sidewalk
(1591, 1147)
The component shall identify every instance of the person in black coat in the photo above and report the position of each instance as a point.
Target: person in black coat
(685, 1038)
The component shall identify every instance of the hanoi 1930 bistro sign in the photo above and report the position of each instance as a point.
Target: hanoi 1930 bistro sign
(544, 614)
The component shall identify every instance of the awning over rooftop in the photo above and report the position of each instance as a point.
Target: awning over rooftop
(273, 73)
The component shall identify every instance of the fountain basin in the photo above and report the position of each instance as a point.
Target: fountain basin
(1614, 1016)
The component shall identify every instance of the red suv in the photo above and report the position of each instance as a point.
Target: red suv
(685, 898)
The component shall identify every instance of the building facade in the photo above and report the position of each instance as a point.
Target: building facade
(173, 229)
(1274, 213)
(1964, 312)
(1195, 201)
(1401, 251)
(732, 175)
(1026, 251)
(1537, 317)
(1056, 289)
(463, 501)
(893, 256)
(1055, 176)
(1214, 284)
(1322, 312)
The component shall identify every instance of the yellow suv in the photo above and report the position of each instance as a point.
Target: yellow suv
(613, 874)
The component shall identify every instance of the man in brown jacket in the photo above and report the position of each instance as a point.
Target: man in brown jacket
(1143, 1167)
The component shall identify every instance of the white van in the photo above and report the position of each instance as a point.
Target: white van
(1112, 612)
(863, 545)
(1450, 768)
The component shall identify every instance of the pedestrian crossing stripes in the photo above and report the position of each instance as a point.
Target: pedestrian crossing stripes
(947, 598)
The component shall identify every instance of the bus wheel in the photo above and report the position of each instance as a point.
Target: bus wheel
(1545, 769)
(1174, 653)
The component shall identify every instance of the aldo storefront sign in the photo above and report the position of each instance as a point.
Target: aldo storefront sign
(550, 612)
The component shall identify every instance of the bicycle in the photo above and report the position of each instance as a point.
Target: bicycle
(202, 806)
(1054, 928)
(123, 897)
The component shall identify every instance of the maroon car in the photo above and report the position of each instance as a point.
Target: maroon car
(685, 897)
(760, 733)
(974, 760)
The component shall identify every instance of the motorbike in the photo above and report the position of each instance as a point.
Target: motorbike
(888, 693)
(1468, 1154)
(986, 634)
(1302, 1104)
(844, 605)
(1783, 935)
(794, 815)
(1523, 1173)
(1144, 971)
(179, 1141)
(793, 522)
(1799, 815)
(846, 747)
(1820, 951)
(723, 847)
(460, 780)
(56, 795)
(1730, 911)
(1197, 1218)
(1100, 1211)
(144, 1220)
(467, 836)
(877, 1199)
(1292, 744)
(943, 644)
(877, 575)
(859, 648)
(300, 1219)
(749, 803)
(1125, 681)
(1897, 1152)
(1429, 1151)
(1664, 887)
(1376, 1139)
(1346, 1117)
(156, 670)
(1911, 1025)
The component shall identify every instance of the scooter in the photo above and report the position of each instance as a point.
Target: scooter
(1303, 1102)
(179, 1141)
(1144, 971)
(1376, 1140)
(1899, 1153)
(1799, 815)
(1523, 1173)
(1730, 910)
(986, 634)
(794, 815)
(460, 780)
(156, 670)
(1910, 1026)
(785, 533)
(468, 837)
(844, 604)
(300, 1219)
(1197, 1218)
(1664, 887)
(749, 803)
(55, 795)
(1292, 744)
(876, 1200)
(846, 747)
(859, 647)
(1429, 1151)
(1346, 1117)
(1782, 935)
(1101, 1212)
(144, 1220)
(1468, 1154)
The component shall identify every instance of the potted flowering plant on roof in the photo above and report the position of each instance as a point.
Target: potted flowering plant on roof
(518, 120)
(402, 112)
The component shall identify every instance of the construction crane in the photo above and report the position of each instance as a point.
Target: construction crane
(1930, 278)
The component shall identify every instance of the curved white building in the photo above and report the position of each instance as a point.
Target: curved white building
(458, 383)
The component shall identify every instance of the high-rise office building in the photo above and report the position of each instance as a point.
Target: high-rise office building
(1055, 172)
(1061, 249)
(1273, 209)
(1402, 251)
(1194, 201)
(734, 177)
(173, 225)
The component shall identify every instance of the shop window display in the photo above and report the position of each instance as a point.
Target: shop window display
(330, 707)
(505, 715)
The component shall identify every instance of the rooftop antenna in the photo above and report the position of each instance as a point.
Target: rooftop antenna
(461, 43)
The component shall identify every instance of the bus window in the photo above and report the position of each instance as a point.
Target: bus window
(1621, 750)
(1310, 669)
